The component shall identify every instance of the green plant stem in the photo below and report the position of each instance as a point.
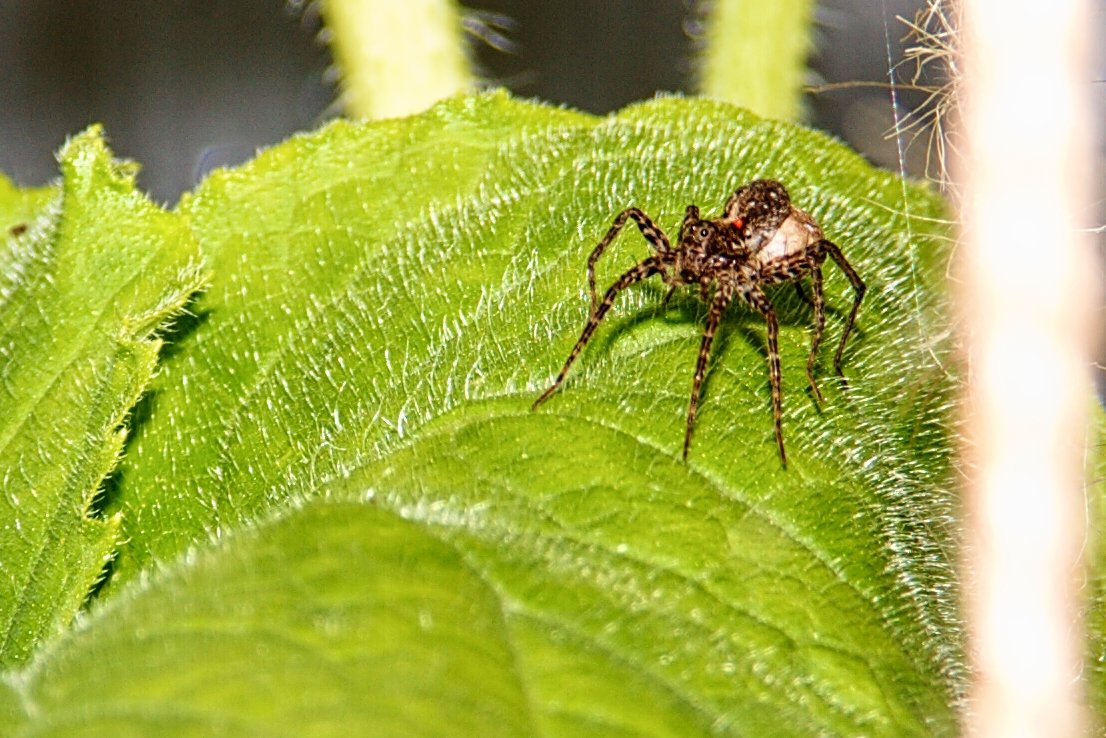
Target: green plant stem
(396, 58)
(756, 54)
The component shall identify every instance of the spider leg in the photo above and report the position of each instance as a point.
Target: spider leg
(819, 325)
(645, 269)
(717, 307)
(668, 296)
(858, 286)
(649, 230)
(802, 293)
(763, 305)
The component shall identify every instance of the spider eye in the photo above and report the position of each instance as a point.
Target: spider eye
(703, 233)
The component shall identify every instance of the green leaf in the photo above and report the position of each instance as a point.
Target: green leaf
(19, 208)
(97, 270)
(324, 621)
(20, 211)
(346, 419)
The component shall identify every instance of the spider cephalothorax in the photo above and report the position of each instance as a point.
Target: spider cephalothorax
(760, 239)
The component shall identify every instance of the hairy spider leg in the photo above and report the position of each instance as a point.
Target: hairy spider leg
(802, 293)
(858, 286)
(645, 269)
(760, 302)
(654, 235)
(819, 303)
(718, 305)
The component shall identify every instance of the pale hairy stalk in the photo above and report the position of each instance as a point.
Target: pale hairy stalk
(396, 58)
(935, 53)
(755, 54)
(1028, 297)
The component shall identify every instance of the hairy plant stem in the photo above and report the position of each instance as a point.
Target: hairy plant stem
(396, 58)
(756, 54)
(1031, 317)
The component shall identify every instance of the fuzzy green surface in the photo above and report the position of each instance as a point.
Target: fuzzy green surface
(97, 269)
(337, 505)
(310, 625)
(19, 208)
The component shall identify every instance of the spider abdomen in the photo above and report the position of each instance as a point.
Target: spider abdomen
(794, 237)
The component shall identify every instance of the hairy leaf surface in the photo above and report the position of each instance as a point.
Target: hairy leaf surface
(337, 467)
(90, 271)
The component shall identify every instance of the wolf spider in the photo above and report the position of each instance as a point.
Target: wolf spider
(760, 239)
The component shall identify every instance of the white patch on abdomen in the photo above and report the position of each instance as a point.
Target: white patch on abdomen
(791, 237)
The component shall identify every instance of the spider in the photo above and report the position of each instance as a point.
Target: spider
(760, 239)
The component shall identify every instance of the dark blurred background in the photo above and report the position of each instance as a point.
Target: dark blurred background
(183, 86)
